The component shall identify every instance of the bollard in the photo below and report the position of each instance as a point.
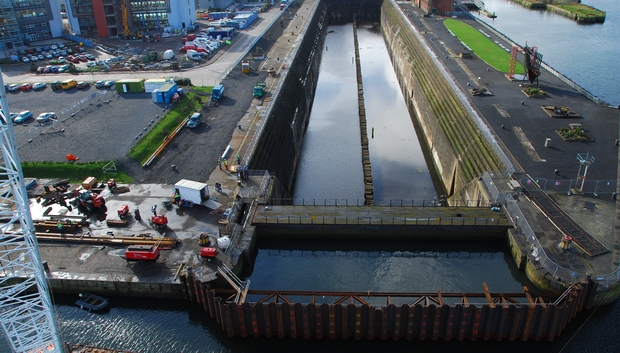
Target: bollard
(556, 172)
(547, 140)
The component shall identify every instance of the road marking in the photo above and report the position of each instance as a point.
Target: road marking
(529, 148)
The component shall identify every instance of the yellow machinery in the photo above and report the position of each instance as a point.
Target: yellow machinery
(127, 33)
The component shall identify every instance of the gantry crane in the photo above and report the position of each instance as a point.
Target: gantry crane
(26, 312)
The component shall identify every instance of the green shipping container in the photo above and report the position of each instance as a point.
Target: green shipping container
(130, 86)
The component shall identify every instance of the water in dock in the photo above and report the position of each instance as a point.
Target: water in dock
(330, 166)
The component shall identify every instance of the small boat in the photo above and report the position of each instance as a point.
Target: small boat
(92, 302)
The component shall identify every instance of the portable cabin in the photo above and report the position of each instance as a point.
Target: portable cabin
(132, 85)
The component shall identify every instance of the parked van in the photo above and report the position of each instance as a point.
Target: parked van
(68, 84)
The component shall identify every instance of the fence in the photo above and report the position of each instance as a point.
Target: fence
(391, 221)
(595, 187)
(87, 42)
(435, 202)
(538, 253)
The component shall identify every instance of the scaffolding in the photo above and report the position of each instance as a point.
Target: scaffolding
(26, 312)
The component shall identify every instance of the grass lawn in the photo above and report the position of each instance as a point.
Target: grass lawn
(190, 103)
(482, 46)
(75, 172)
(582, 10)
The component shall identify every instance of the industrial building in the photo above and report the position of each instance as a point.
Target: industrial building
(28, 21)
(111, 18)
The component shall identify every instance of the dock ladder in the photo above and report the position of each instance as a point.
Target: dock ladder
(240, 286)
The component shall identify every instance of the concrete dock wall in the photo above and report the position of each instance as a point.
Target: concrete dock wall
(279, 148)
(459, 151)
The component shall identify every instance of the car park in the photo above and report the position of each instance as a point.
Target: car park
(14, 87)
(39, 86)
(22, 116)
(30, 51)
(99, 84)
(194, 120)
(45, 117)
(38, 50)
(25, 86)
(109, 84)
(56, 85)
(83, 84)
(22, 52)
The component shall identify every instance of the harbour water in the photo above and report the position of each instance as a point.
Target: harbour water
(587, 54)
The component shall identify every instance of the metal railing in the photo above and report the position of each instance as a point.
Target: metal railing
(594, 187)
(537, 252)
(435, 202)
(392, 221)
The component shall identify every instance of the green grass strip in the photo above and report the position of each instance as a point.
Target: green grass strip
(189, 104)
(482, 46)
(582, 10)
(75, 172)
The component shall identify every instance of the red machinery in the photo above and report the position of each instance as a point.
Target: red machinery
(89, 200)
(111, 183)
(208, 253)
(142, 252)
(158, 221)
(123, 211)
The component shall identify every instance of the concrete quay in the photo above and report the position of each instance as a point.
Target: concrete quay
(520, 127)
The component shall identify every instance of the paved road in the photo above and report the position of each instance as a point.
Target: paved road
(202, 75)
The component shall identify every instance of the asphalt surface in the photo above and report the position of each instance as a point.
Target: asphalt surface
(107, 131)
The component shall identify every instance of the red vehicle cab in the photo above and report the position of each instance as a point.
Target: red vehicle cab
(185, 48)
(26, 86)
(142, 252)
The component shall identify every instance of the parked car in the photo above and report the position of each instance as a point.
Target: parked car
(83, 84)
(25, 59)
(46, 48)
(39, 85)
(99, 84)
(56, 85)
(91, 64)
(14, 87)
(41, 57)
(69, 51)
(48, 56)
(45, 117)
(62, 60)
(90, 56)
(26, 86)
(60, 45)
(194, 120)
(22, 116)
(83, 58)
(34, 58)
(109, 84)
(63, 53)
(63, 68)
(41, 70)
(55, 68)
(54, 47)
